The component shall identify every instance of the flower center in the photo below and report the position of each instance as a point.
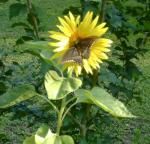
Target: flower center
(74, 38)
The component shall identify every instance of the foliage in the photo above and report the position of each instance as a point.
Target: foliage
(59, 87)
(104, 100)
(16, 95)
(45, 136)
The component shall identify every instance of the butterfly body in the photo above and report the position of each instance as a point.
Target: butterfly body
(79, 51)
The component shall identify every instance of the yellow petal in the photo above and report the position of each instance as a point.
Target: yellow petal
(103, 42)
(87, 66)
(99, 31)
(94, 23)
(72, 19)
(103, 56)
(64, 30)
(65, 24)
(59, 37)
(78, 20)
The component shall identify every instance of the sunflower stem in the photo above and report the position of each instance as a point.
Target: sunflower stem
(84, 128)
(60, 115)
(65, 113)
(102, 10)
(95, 78)
(102, 19)
(33, 18)
(51, 103)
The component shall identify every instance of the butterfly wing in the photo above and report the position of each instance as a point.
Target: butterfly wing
(72, 55)
(79, 51)
(85, 46)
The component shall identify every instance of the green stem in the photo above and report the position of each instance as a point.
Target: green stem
(83, 131)
(68, 110)
(83, 128)
(60, 114)
(94, 79)
(102, 19)
(54, 107)
(102, 10)
(34, 20)
(71, 99)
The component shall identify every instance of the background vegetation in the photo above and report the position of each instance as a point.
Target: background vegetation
(126, 75)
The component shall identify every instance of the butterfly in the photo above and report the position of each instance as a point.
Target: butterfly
(79, 51)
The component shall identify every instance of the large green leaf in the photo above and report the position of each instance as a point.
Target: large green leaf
(17, 95)
(38, 48)
(84, 96)
(110, 104)
(104, 100)
(58, 87)
(53, 139)
(45, 136)
(42, 50)
(16, 9)
(65, 139)
(29, 140)
(41, 134)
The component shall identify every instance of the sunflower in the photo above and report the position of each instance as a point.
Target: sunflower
(79, 43)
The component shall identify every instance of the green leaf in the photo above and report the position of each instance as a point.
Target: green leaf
(37, 45)
(45, 136)
(38, 48)
(146, 26)
(108, 103)
(2, 87)
(16, 9)
(42, 51)
(17, 24)
(41, 134)
(53, 139)
(115, 18)
(3, 1)
(22, 39)
(104, 100)
(65, 139)
(83, 96)
(108, 76)
(17, 95)
(29, 140)
(90, 6)
(58, 87)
